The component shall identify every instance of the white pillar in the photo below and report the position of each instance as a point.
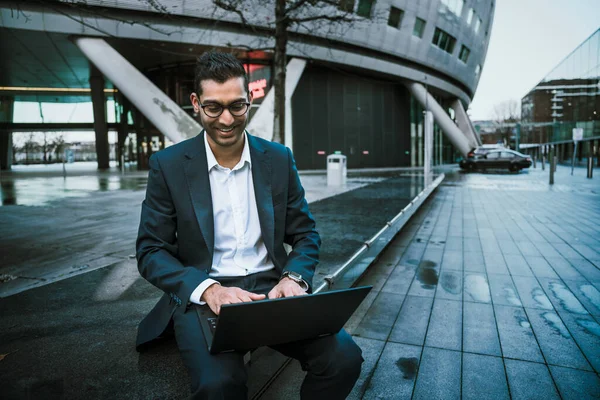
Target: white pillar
(428, 128)
(163, 112)
(452, 132)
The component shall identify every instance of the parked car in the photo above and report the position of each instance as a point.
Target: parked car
(496, 159)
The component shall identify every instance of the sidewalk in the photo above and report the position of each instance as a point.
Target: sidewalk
(491, 292)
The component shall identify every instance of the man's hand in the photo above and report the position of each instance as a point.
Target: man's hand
(216, 295)
(286, 288)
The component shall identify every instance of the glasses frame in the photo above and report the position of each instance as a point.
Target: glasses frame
(228, 107)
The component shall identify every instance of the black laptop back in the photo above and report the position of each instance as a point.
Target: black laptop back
(246, 326)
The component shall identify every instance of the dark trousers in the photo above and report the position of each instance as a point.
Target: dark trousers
(332, 363)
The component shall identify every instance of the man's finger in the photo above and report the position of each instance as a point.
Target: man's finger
(255, 296)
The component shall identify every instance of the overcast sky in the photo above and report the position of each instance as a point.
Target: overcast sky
(529, 38)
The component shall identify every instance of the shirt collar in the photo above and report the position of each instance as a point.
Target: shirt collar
(212, 161)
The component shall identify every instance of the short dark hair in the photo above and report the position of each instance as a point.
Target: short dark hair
(219, 67)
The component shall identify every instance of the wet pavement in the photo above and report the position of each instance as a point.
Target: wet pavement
(492, 291)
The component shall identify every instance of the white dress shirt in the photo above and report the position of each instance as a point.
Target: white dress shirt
(239, 248)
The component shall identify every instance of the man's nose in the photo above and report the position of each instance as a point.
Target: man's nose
(226, 118)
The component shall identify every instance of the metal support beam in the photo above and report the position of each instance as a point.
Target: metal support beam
(452, 132)
(163, 112)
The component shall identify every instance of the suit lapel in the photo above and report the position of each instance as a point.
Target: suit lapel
(196, 172)
(261, 176)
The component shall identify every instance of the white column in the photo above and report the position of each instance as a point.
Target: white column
(163, 112)
(428, 128)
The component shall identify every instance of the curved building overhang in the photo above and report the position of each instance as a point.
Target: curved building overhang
(211, 33)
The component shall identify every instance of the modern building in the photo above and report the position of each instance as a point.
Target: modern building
(567, 98)
(358, 87)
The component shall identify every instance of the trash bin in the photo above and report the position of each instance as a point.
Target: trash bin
(336, 170)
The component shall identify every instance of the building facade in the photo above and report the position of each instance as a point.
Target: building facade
(356, 93)
(567, 98)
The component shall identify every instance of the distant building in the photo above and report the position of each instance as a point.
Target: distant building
(568, 97)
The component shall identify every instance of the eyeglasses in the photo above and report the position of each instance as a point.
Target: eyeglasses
(237, 109)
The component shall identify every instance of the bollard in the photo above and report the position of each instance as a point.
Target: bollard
(551, 167)
(122, 163)
(535, 161)
(590, 169)
(543, 162)
(555, 161)
(64, 171)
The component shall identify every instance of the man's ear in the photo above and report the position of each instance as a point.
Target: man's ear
(195, 102)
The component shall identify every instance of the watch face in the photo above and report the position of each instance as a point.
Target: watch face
(295, 276)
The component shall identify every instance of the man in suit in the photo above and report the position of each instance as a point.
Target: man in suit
(218, 209)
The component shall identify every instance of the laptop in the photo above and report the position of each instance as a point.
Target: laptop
(247, 326)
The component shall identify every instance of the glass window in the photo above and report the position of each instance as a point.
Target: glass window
(464, 53)
(419, 27)
(506, 154)
(346, 5)
(364, 8)
(454, 6)
(477, 25)
(395, 18)
(493, 155)
(443, 40)
(470, 16)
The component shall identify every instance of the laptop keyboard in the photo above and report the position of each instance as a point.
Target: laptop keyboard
(212, 322)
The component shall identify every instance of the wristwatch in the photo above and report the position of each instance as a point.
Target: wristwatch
(296, 277)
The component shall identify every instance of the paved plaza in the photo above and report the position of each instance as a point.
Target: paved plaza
(492, 290)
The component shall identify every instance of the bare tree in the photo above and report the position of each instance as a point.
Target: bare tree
(288, 15)
(505, 115)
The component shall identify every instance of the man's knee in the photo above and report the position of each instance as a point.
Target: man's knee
(345, 358)
(219, 386)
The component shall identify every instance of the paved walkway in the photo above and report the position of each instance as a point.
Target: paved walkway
(491, 292)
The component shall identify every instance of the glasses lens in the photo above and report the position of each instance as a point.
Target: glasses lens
(213, 110)
(238, 109)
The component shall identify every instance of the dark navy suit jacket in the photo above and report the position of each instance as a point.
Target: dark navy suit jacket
(175, 242)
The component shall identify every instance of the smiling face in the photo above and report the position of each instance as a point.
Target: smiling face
(226, 131)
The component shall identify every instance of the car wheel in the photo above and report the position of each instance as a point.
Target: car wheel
(471, 167)
(513, 168)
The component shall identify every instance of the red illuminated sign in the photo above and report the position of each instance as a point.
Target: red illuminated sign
(258, 88)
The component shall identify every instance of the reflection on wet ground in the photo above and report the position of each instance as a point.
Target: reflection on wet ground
(40, 191)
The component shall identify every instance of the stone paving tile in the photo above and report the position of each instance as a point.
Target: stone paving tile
(527, 248)
(411, 325)
(576, 385)
(562, 297)
(381, 316)
(439, 375)
(586, 332)
(480, 334)
(554, 339)
(483, 377)
(395, 373)
(530, 381)
(540, 267)
(490, 246)
(567, 251)
(516, 337)
(546, 249)
(495, 264)
(517, 265)
(586, 251)
(400, 279)
(531, 293)
(452, 259)
(476, 288)
(503, 290)
(454, 243)
(450, 285)
(588, 270)
(587, 294)
(472, 245)
(371, 352)
(564, 269)
(508, 247)
(445, 325)
(473, 261)
(426, 280)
